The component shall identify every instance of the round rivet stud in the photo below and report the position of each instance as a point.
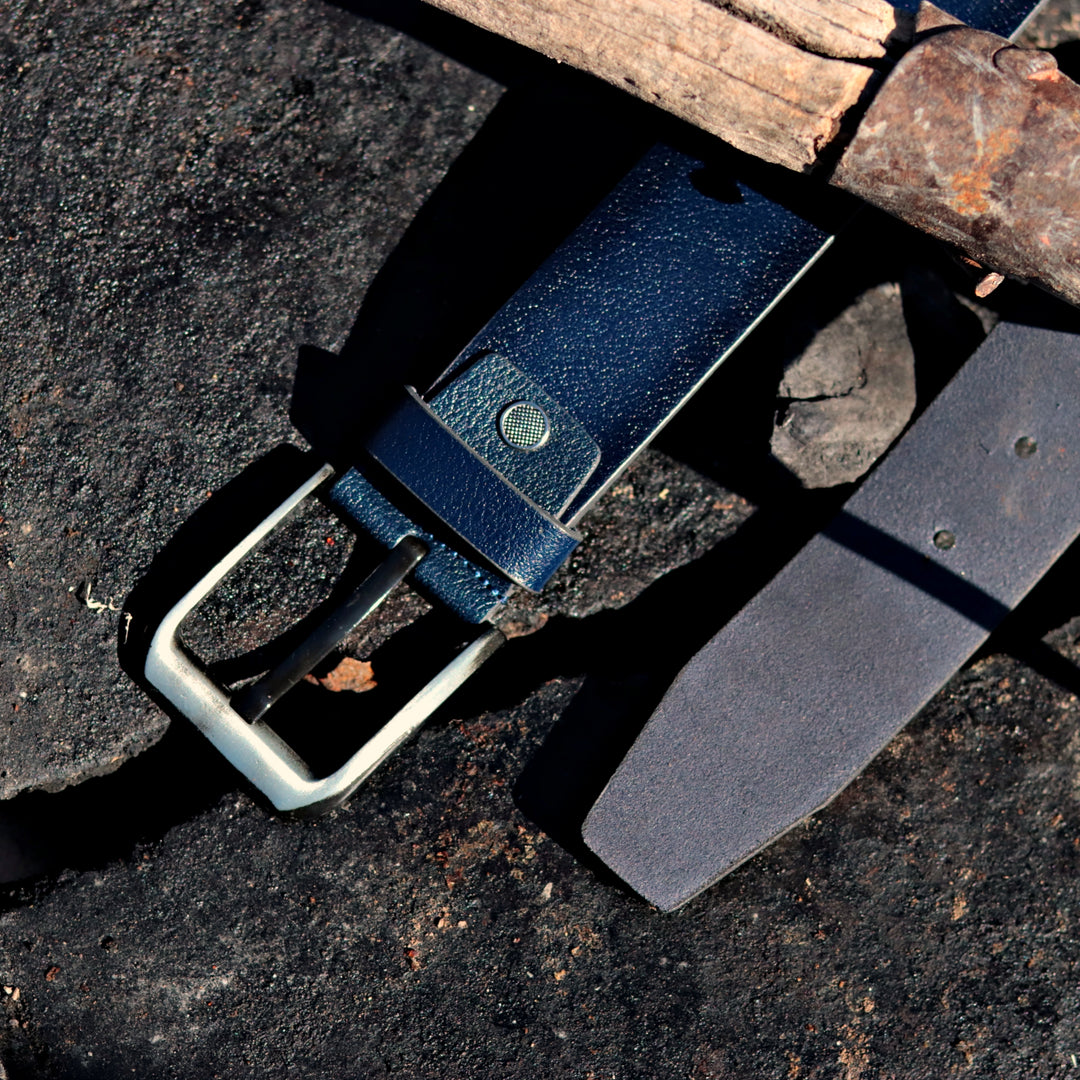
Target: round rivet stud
(1025, 447)
(944, 539)
(524, 425)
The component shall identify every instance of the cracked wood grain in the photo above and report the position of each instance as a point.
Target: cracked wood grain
(772, 78)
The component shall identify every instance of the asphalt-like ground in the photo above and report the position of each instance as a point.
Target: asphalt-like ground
(194, 198)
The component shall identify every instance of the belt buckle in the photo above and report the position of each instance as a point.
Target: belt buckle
(235, 725)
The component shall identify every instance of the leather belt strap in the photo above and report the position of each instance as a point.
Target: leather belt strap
(607, 340)
(794, 697)
(602, 345)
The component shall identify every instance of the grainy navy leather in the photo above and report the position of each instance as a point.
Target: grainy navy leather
(551, 477)
(611, 335)
(468, 589)
(475, 501)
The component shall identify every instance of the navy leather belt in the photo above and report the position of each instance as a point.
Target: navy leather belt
(477, 481)
(598, 350)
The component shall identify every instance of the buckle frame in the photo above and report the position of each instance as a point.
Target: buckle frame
(239, 733)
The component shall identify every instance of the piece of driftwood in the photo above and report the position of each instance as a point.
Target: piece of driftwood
(769, 92)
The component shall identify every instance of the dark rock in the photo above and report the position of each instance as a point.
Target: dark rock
(178, 218)
(850, 394)
(658, 516)
(429, 930)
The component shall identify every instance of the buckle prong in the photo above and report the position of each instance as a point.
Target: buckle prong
(253, 701)
(235, 728)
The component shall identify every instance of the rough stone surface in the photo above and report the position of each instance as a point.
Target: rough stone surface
(192, 191)
(658, 516)
(850, 394)
(446, 923)
(921, 927)
(195, 193)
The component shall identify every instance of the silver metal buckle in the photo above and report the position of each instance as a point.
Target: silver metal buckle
(235, 726)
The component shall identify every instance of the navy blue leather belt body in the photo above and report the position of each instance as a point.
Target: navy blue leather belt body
(600, 347)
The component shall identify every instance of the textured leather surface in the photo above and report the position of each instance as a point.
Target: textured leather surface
(790, 701)
(615, 331)
(471, 403)
(478, 504)
(618, 329)
(647, 298)
(471, 591)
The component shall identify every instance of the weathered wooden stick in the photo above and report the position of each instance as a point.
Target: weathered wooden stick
(762, 91)
(968, 138)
